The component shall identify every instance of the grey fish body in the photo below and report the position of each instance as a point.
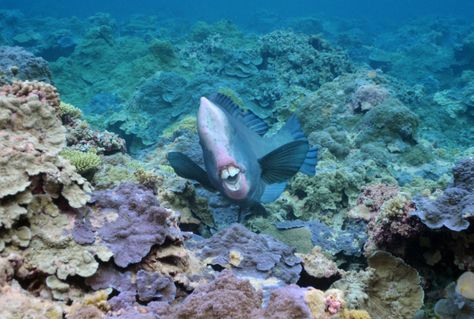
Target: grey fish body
(240, 162)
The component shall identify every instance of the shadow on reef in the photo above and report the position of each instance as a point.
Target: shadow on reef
(86, 231)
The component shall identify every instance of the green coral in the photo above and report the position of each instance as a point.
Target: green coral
(67, 110)
(86, 163)
(163, 51)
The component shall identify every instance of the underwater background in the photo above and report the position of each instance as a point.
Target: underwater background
(95, 223)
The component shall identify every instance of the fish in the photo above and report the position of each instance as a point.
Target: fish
(241, 162)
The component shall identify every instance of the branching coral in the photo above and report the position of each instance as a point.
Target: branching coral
(86, 163)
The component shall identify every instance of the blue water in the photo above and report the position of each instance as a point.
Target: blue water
(242, 11)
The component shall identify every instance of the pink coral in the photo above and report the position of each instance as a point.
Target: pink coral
(333, 303)
(367, 96)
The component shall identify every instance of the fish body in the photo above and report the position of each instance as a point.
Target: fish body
(240, 162)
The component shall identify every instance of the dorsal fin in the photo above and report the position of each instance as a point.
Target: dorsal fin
(250, 119)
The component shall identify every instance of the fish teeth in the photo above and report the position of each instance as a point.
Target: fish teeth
(230, 171)
(224, 173)
(233, 171)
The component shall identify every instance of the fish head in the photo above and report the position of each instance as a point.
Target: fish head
(225, 155)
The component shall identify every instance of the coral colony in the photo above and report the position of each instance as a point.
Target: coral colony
(95, 223)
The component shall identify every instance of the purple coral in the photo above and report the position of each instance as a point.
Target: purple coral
(251, 254)
(455, 206)
(129, 221)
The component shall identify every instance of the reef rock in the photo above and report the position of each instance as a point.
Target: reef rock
(18, 64)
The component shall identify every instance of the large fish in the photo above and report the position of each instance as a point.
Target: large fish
(240, 162)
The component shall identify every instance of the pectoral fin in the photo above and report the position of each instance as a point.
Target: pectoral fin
(186, 168)
(282, 163)
(272, 192)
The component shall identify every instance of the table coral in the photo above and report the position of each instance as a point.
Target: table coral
(455, 206)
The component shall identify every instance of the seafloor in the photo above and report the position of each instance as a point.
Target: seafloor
(95, 224)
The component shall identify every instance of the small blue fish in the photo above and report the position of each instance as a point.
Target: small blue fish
(242, 164)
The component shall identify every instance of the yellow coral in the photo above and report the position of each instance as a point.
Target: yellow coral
(186, 123)
(356, 314)
(69, 110)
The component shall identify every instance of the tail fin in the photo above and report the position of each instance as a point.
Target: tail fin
(293, 129)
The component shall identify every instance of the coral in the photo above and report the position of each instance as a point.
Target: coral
(392, 225)
(455, 206)
(249, 254)
(129, 220)
(225, 298)
(389, 288)
(86, 163)
(305, 303)
(356, 314)
(69, 113)
(295, 56)
(45, 92)
(144, 286)
(368, 96)
(318, 265)
(52, 250)
(18, 64)
(389, 122)
(465, 285)
(371, 200)
(454, 306)
(31, 140)
(82, 138)
(163, 51)
(349, 240)
(18, 303)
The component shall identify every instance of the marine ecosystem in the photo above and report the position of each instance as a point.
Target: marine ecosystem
(236, 160)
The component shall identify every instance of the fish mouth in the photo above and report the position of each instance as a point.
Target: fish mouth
(230, 175)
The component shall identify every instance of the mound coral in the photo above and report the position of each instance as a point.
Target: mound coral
(46, 93)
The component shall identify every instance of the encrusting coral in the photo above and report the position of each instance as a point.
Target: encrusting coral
(388, 288)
